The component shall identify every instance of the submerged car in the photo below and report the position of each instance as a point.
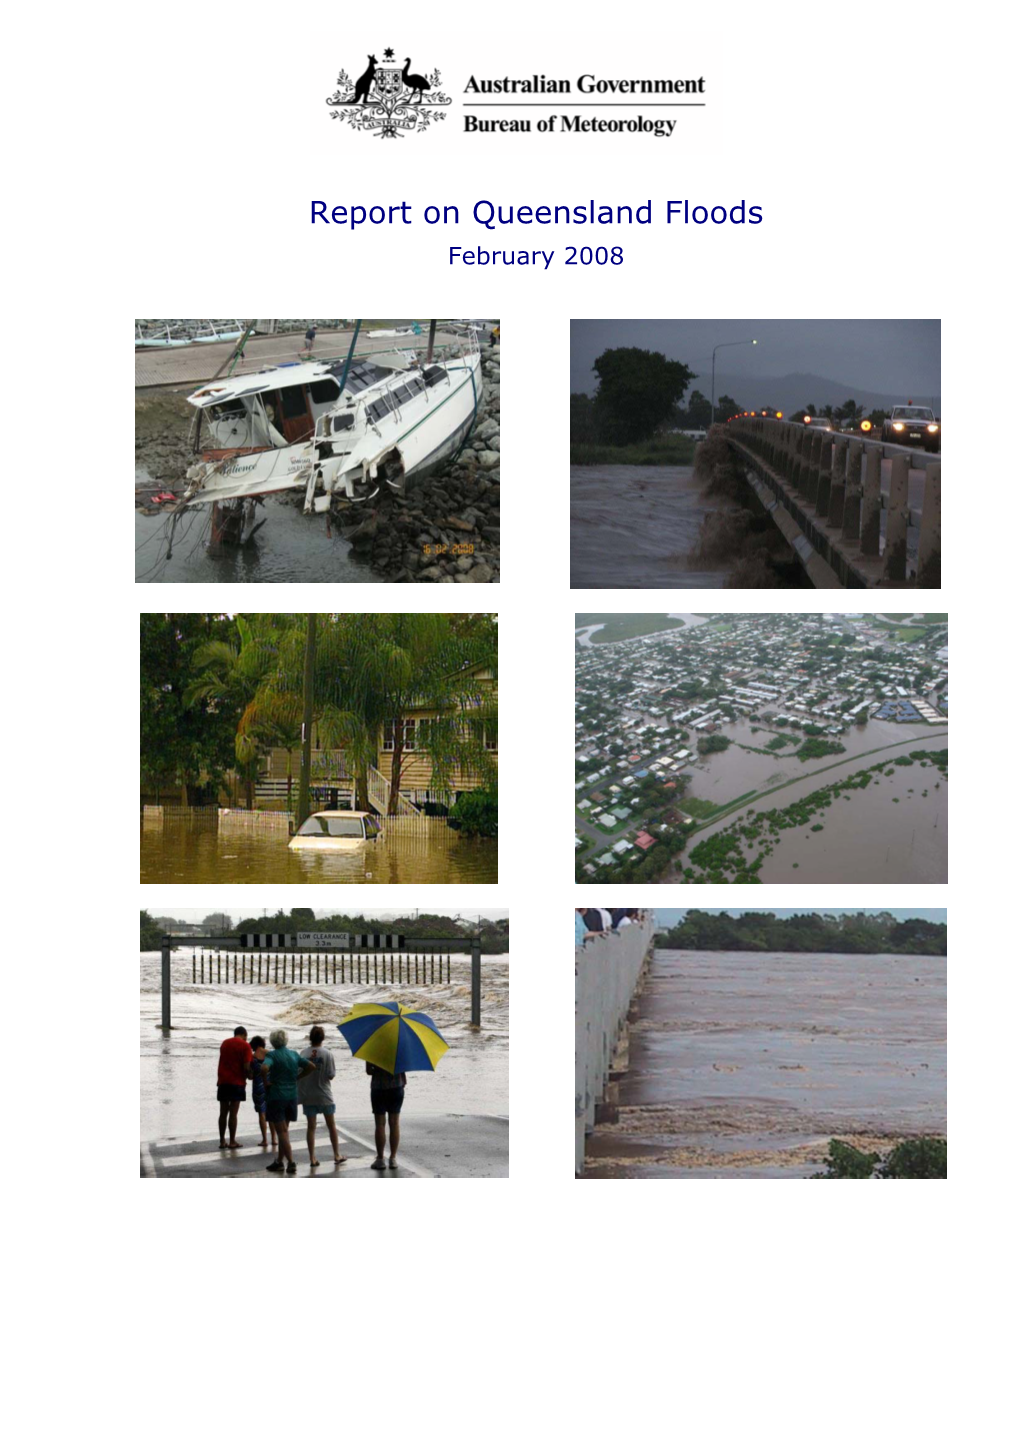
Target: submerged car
(337, 831)
(913, 426)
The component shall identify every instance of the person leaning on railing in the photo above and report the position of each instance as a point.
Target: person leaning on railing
(582, 934)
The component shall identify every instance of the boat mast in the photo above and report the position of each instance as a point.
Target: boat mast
(350, 356)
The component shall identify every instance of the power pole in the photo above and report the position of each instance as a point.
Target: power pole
(304, 787)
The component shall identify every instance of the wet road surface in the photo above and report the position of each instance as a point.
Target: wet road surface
(746, 1064)
(450, 1116)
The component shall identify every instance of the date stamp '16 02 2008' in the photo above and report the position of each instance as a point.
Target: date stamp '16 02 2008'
(459, 548)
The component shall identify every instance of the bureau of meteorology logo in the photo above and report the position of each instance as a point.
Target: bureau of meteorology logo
(387, 100)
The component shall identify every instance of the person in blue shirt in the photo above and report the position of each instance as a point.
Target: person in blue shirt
(581, 933)
(258, 1090)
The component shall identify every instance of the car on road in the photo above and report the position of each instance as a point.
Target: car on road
(820, 423)
(337, 832)
(912, 425)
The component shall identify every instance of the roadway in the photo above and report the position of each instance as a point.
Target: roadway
(190, 365)
(432, 1145)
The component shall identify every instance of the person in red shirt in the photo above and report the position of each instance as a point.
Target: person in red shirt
(231, 1080)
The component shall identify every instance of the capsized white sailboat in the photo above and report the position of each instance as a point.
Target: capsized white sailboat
(339, 430)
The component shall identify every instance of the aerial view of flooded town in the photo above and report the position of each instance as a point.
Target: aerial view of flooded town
(721, 747)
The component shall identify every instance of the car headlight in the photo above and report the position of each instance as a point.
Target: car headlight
(897, 425)
(933, 429)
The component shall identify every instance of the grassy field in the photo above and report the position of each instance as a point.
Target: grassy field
(659, 451)
(625, 628)
(703, 811)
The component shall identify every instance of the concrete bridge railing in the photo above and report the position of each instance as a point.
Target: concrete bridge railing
(607, 971)
(825, 493)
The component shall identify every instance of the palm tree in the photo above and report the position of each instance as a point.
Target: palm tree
(238, 671)
(369, 671)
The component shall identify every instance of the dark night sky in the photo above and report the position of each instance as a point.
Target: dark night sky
(900, 357)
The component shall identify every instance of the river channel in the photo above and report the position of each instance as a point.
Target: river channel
(745, 1064)
(195, 851)
(633, 526)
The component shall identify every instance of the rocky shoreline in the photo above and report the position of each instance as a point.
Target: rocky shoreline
(445, 529)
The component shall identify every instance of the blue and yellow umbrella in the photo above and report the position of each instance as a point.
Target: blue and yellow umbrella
(392, 1037)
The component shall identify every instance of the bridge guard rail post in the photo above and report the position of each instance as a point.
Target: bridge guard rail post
(897, 521)
(929, 549)
(824, 477)
(852, 499)
(837, 494)
(811, 486)
(871, 504)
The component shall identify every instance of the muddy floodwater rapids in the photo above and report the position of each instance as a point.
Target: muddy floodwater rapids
(745, 1064)
(178, 1070)
(634, 526)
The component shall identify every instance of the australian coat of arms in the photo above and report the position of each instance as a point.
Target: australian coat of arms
(388, 101)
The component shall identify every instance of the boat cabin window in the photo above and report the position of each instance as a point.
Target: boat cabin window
(433, 375)
(361, 374)
(294, 403)
(324, 393)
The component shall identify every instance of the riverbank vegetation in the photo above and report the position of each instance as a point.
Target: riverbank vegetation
(860, 933)
(914, 1157)
(722, 858)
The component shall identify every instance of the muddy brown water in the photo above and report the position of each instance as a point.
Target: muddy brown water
(634, 525)
(866, 836)
(178, 1069)
(746, 1064)
(197, 852)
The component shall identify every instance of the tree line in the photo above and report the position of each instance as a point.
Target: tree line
(495, 933)
(218, 691)
(807, 932)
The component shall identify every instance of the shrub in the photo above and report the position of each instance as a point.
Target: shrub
(847, 1161)
(475, 814)
(917, 1157)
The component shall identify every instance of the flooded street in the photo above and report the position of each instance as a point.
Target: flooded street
(289, 547)
(178, 1072)
(197, 851)
(745, 1064)
(633, 526)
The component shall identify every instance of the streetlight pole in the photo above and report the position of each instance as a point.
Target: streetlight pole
(711, 419)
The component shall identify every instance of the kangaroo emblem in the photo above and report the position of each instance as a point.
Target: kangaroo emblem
(364, 84)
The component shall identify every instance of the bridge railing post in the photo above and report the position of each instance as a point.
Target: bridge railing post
(929, 549)
(813, 467)
(852, 499)
(897, 521)
(837, 492)
(871, 502)
(824, 475)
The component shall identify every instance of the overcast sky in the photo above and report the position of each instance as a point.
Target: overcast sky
(901, 357)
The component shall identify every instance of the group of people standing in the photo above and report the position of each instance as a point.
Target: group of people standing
(600, 921)
(281, 1079)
